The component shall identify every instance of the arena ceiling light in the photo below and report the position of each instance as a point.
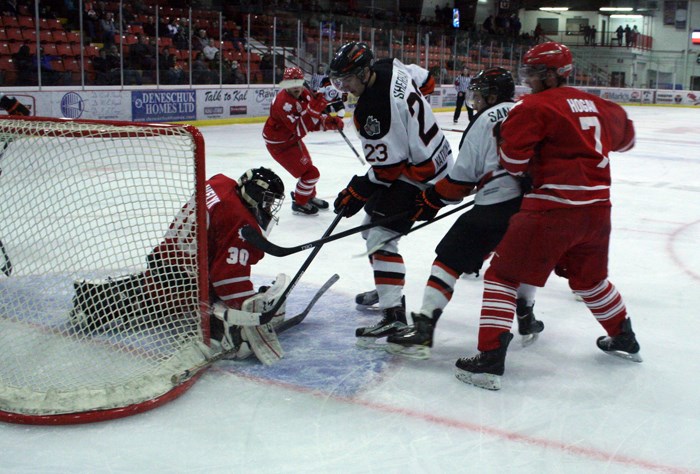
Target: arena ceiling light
(627, 16)
(554, 9)
(616, 9)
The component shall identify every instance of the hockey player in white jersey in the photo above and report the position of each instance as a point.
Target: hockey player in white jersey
(407, 152)
(476, 232)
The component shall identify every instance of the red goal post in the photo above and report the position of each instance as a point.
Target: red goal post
(93, 322)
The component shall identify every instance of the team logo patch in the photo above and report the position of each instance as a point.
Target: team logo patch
(372, 126)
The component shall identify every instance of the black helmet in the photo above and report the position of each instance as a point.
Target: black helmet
(263, 192)
(351, 58)
(494, 81)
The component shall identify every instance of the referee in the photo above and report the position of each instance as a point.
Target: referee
(462, 85)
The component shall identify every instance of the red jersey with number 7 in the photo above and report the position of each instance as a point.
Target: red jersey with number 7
(561, 138)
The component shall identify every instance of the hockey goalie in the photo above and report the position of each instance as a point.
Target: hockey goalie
(241, 322)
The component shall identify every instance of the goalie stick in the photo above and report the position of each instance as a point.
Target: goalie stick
(177, 379)
(255, 238)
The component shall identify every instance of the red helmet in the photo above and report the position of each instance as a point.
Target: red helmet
(293, 77)
(550, 55)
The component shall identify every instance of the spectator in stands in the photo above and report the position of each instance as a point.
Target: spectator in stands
(635, 36)
(91, 22)
(619, 32)
(50, 76)
(587, 34)
(131, 76)
(26, 69)
(237, 76)
(173, 27)
(487, 25)
(628, 36)
(106, 70)
(593, 35)
(108, 28)
(170, 72)
(9, 8)
(142, 56)
(538, 33)
(200, 70)
(203, 43)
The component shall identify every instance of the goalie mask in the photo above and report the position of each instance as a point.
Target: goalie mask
(263, 192)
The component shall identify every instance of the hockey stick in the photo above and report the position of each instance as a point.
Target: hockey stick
(352, 147)
(382, 244)
(295, 320)
(177, 379)
(268, 315)
(452, 130)
(255, 238)
(7, 266)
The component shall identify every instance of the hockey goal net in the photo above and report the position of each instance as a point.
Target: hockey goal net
(93, 323)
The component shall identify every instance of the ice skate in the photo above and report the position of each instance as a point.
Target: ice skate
(393, 322)
(528, 326)
(307, 209)
(319, 203)
(416, 341)
(486, 368)
(367, 300)
(624, 345)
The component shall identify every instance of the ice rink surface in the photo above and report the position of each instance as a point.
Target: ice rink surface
(329, 407)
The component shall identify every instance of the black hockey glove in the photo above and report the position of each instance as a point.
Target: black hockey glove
(353, 198)
(427, 205)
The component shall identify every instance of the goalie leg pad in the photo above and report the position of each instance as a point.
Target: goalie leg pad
(263, 342)
(97, 303)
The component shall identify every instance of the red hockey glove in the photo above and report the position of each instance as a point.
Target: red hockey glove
(353, 198)
(318, 104)
(427, 205)
(332, 123)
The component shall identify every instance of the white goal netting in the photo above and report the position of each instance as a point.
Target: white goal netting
(99, 308)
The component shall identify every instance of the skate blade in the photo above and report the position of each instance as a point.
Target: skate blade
(529, 339)
(370, 343)
(625, 355)
(367, 308)
(410, 352)
(298, 213)
(487, 381)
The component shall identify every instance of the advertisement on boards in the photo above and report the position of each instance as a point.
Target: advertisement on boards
(163, 106)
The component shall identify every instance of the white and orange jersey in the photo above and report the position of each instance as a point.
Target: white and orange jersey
(400, 137)
(477, 163)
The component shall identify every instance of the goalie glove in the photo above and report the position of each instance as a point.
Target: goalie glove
(427, 205)
(329, 122)
(354, 197)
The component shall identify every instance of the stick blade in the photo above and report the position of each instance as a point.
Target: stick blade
(249, 234)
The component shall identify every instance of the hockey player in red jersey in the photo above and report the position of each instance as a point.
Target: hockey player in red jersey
(476, 232)
(295, 112)
(164, 289)
(407, 152)
(560, 137)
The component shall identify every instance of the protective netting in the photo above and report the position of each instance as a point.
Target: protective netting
(99, 289)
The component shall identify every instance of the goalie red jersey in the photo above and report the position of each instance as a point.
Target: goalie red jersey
(230, 257)
(546, 132)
